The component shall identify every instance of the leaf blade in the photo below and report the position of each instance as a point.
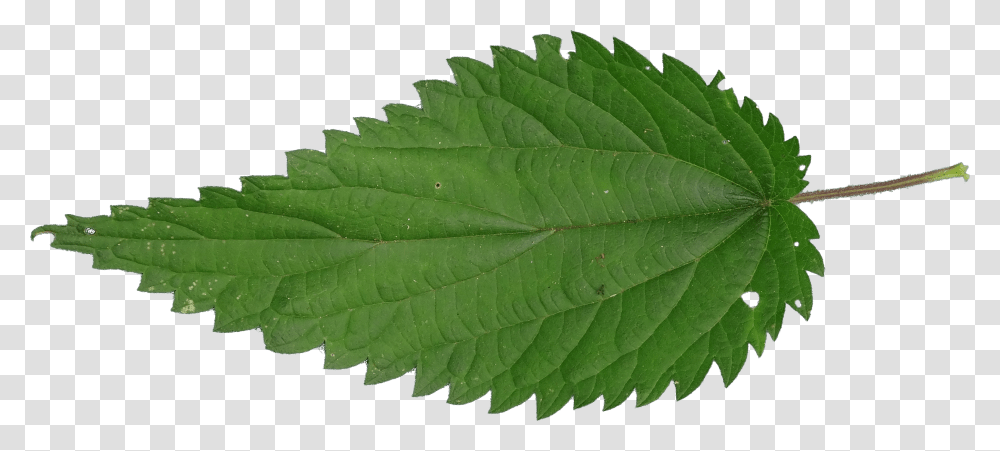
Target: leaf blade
(568, 228)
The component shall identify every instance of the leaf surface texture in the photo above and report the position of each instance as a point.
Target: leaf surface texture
(564, 228)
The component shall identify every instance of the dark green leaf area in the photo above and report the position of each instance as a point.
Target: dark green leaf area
(568, 228)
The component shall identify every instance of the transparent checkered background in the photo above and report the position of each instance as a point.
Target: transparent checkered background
(111, 102)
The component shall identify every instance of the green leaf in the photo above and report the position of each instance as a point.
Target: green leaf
(564, 228)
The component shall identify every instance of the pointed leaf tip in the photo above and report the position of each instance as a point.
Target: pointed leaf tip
(38, 231)
(718, 79)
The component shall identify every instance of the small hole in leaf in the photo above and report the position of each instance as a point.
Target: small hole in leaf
(802, 167)
(437, 185)
(751, 298)
(89, 231)
(796, 244)
(798, 303)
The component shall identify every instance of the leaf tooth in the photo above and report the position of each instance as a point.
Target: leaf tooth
(432, 369)
(716, 80)
(248, 186)
(750, 113)
(309, 169)
(616, 399)
(775, 327)
(692, 380)
(647, 392)
(685, 85)
(692, 366)
(184, 303)
(424, 87)
(255, 183)
(463, 393)
(459, 363)
(126, 212)
(586, 392)
(336, 138)
(692, 76)
(551, 65)
(396, 112)
(730, 100)
(551, 395)
(505, 395)
(773, 132)
(547, 41)
(337, 356)
(376, 374)
(74, 220)
(615, 380)
(218, 197)
(475, 78)
(157, 280)
(728, 345)
(590, 51)
(372, 131)
(507, 55)
(730, 364)
(171, 202)
(289, 334)
(627, 55)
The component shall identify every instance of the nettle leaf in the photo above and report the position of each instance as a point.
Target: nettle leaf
(564, 228)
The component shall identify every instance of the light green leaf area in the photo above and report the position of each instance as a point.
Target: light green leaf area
(568, 228)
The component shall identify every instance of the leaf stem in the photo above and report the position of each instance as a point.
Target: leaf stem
(957, 170)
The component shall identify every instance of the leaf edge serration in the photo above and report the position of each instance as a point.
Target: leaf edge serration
(783, 155)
